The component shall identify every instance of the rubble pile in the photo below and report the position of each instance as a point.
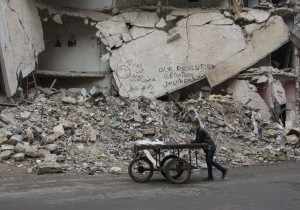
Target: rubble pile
(91, 133)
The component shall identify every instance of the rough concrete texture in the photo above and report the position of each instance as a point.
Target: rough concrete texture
(150, 60)
(157, 62)
(246, 93)
(21, 40)
(273, 34)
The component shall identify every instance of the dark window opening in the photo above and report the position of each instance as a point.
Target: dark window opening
(282, 58)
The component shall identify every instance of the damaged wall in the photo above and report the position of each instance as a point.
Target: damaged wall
(153, 56)
(21, 40)
(72, 46)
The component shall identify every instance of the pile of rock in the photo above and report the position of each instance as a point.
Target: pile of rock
(90, 133)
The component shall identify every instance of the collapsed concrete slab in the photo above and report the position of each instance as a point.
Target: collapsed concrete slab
(21, 40)
(246, 93)
(161, 62)
(265, 39)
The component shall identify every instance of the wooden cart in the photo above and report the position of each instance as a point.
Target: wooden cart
(176, 167)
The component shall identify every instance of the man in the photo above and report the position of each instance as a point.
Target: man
(209, 148)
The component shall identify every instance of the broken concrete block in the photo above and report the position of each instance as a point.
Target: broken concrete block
(25, 115)
(31, 151)
(5, 155)
(115, 170)
(254, 51)
(52, 147)
(58, 131)
(139, 72)
(3, 136)
(20, 148)
(19, 157)
(48, 168)
(69, 100)
(15, 139)
(5, 147)
(243, 91)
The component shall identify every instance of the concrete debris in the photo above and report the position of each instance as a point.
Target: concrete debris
(48, 168)
(247, 94)
(115, 170)
(15, 139)
(5, 155)
(254, 51)
(18, 157)
(97, 135)
(254, 15)
(25, 115)
(69, 100)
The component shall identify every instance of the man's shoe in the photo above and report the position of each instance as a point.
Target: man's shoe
(224, 173)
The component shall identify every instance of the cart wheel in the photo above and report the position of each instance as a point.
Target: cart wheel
(163, 163)
(177, 170)
(140, 170)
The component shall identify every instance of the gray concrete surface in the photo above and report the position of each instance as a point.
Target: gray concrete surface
(258, 188)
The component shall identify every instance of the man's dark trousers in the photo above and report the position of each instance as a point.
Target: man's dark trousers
(209, 154)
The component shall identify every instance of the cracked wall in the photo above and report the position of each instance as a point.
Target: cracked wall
(152, 55)
(21, 40)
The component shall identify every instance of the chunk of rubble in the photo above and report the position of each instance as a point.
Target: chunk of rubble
(58, 131)
(15, 139)
(48, 168)
(246, 93)
(69, 100)
(25, 115)
(115, 170)
(3, 136)
(18, 157)
(5, 155)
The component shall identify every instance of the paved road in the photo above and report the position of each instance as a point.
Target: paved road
(255, 188)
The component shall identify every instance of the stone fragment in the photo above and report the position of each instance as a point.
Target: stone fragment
(31, 151)
(29, 135)
(245, 93)
(52, 147)
(19, 157)
(25, 115)
(20, 148)
(5, 147)
(15, 139)
(58, 131)
(5, 155)
(48, 168)
(69, 100)
(115, 170)
(3, 136)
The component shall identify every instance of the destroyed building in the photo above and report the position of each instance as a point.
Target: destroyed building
(234, 62)
(154, 48)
